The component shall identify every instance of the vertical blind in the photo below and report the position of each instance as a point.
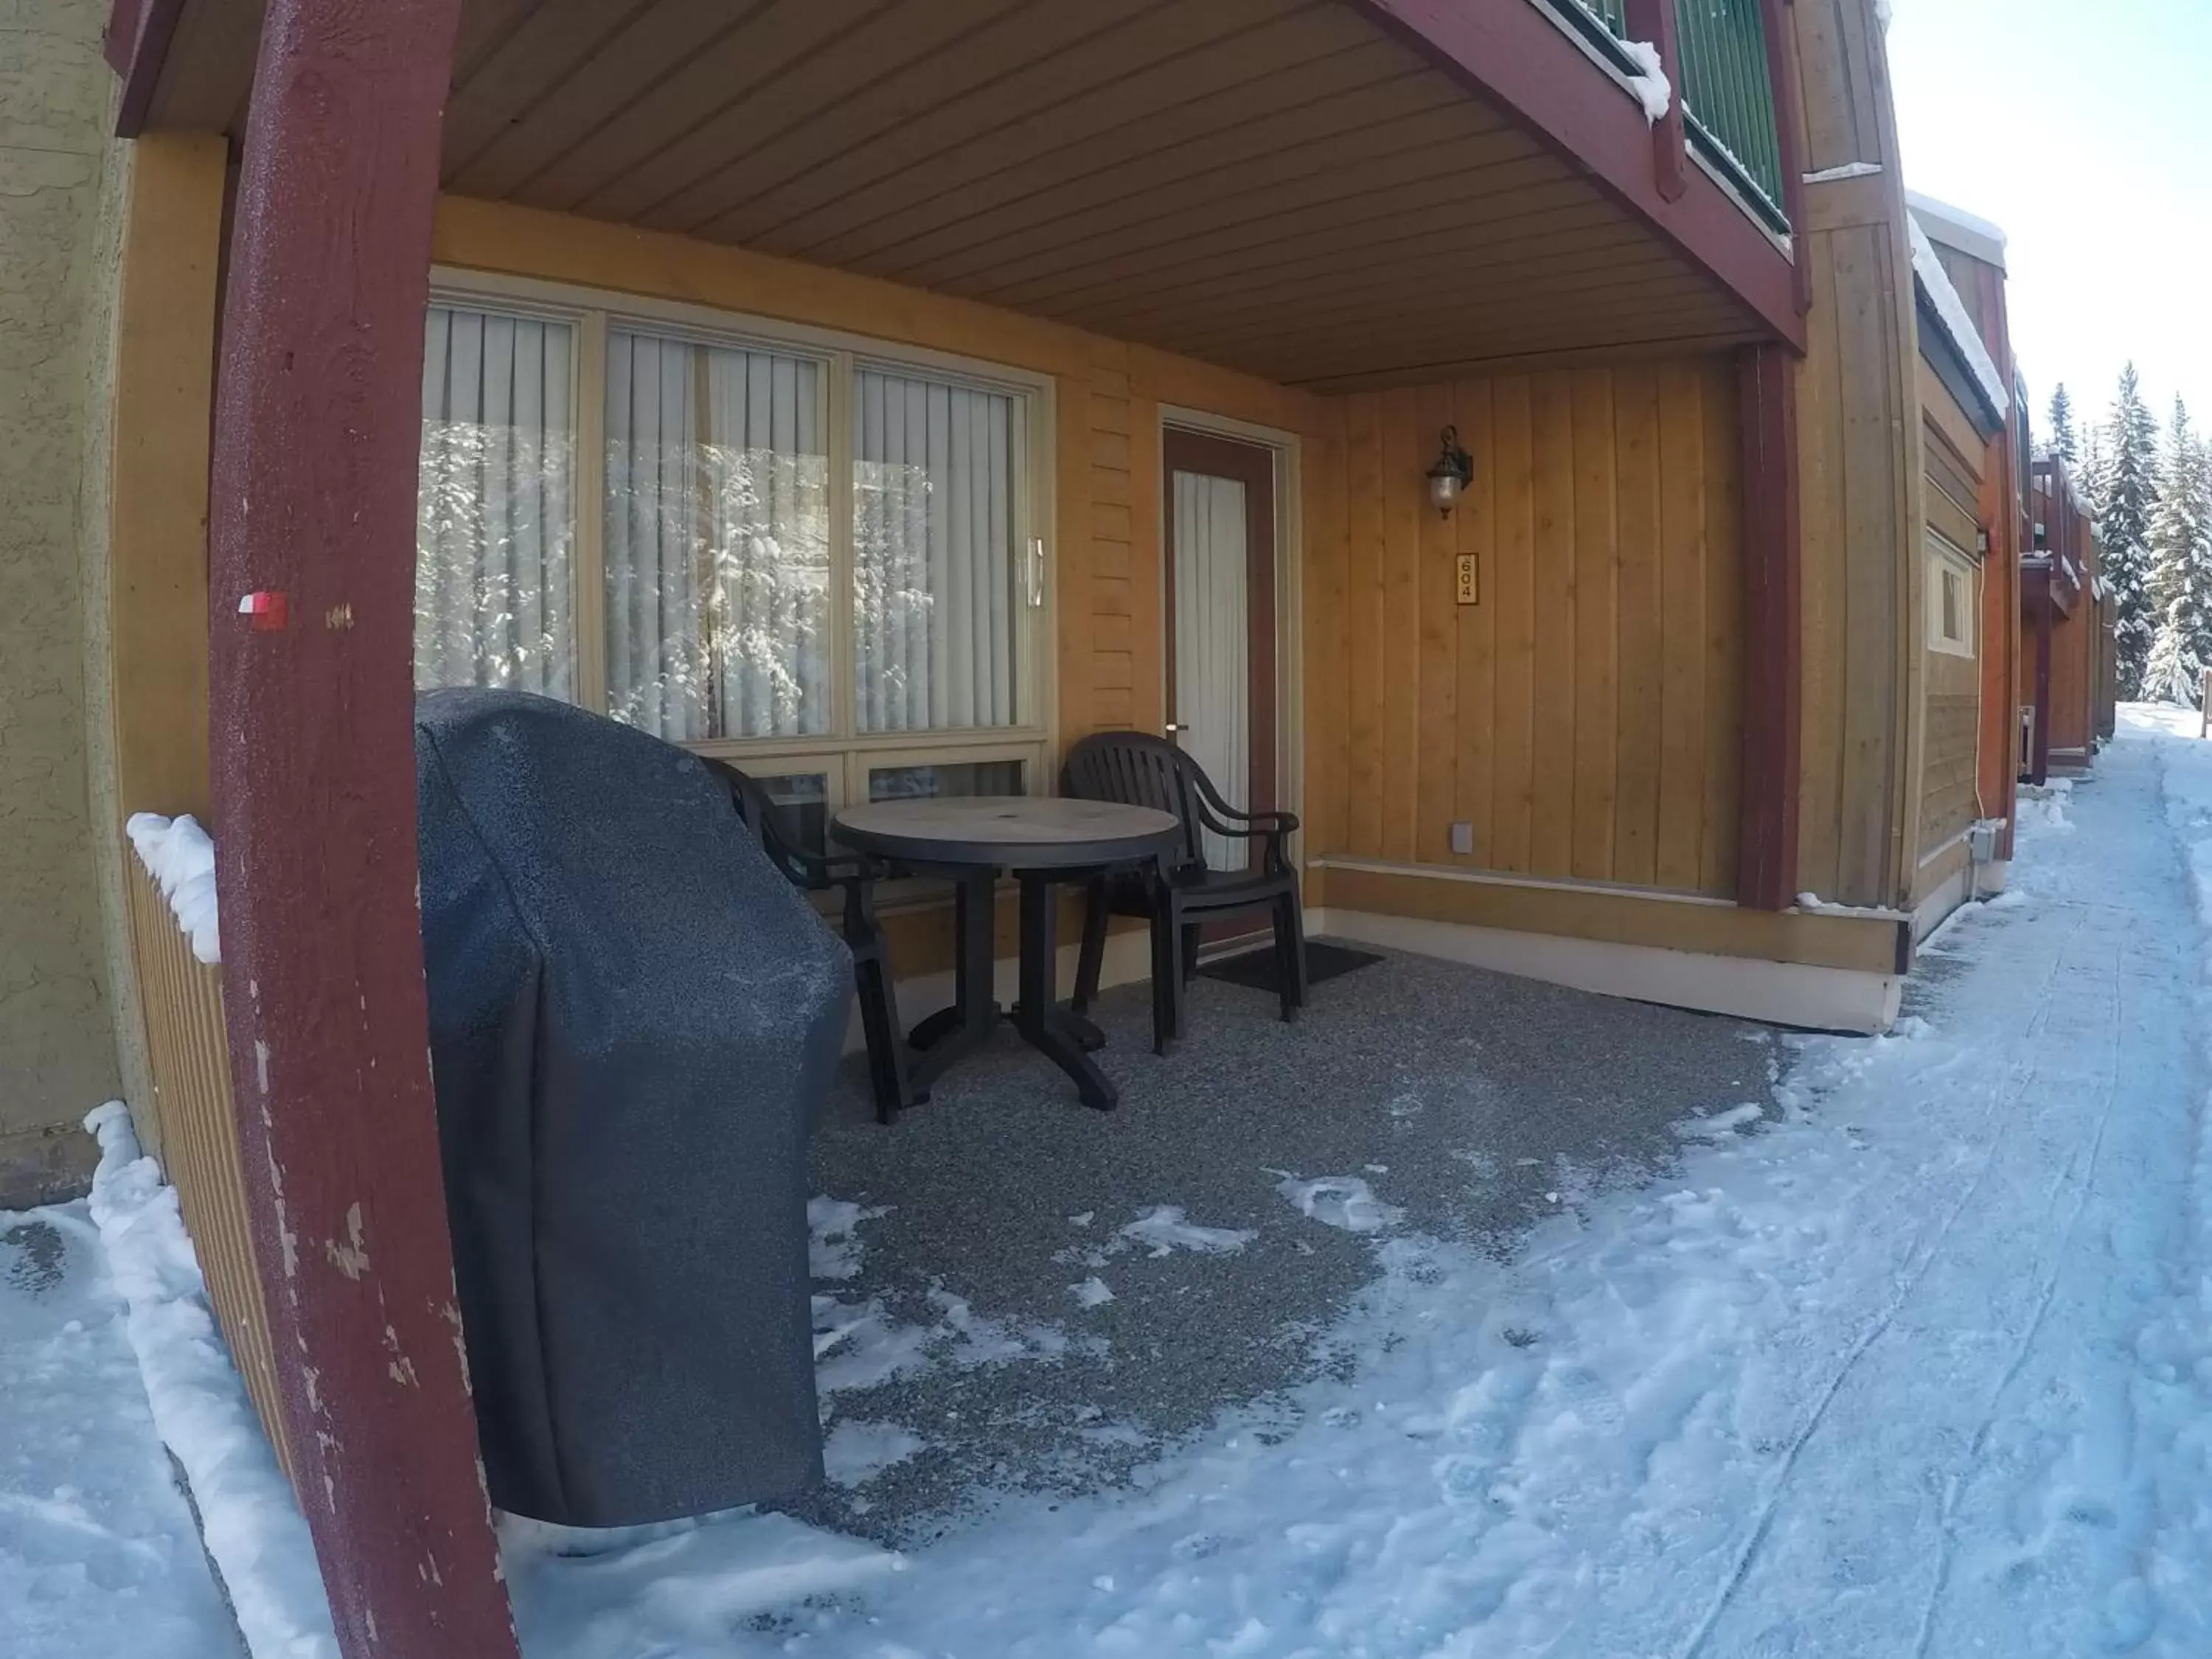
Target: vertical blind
(1212, 633)
(717, 540)
(718, 555)
(934, 563)
(495, 507)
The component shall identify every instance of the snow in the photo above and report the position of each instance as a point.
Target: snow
(855, 1453)
(1649, 82)
(97, 1551)
(1163, 1229)
(1988, 230)
(1929, 268)
(1344, 1202)
(2043, 806)
(859, 1343)
(1912, 1356)
(181, 858)
(252, 1529)
(1092, 1293)
(1814, 904)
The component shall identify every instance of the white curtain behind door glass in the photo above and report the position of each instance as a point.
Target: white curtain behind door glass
(1213, 644)
(933, 560)
(494, 504)
(717, 541)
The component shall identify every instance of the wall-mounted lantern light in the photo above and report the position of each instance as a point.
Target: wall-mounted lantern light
(1453, 472)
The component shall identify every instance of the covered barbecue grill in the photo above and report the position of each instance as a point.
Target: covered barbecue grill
(633, 1017)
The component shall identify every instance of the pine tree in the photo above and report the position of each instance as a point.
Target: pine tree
(2122, 483)
(2063, 442)
(2181, 566)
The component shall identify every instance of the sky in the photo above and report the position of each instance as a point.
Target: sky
(2084, 128)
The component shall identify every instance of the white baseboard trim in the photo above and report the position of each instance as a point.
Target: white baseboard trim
(1778, 992)
(1128, 959)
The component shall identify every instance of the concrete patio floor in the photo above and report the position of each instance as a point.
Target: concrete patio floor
(1472, 1103)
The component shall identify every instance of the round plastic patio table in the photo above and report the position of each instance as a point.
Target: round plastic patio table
(969, 840)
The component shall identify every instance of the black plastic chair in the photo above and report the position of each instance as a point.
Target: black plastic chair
(854, 875)
(1139, 770)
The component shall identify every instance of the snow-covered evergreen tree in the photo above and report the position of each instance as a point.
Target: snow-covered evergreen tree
(2064, 443)
(2122, 483)
(2181, 565)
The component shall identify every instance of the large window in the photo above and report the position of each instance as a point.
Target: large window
(803, 552)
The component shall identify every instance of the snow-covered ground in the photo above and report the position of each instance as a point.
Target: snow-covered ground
(1916, 1360)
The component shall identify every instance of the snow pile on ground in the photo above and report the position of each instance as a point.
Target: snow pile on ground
(2044, 806)
(1345, 1202)
(98, 1555)
(253, 1529)
(181, 858)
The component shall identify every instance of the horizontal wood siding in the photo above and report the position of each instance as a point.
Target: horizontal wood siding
(1949, 751)
(182, 1002)
(1583, 715)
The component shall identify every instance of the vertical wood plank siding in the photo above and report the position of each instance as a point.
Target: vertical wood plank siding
(181, 998)
(1859, 470)
(1583, 716)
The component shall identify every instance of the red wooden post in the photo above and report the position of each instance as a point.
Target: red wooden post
(318, 418)
(1766, 867)
(1780, 20)
(1654, 20)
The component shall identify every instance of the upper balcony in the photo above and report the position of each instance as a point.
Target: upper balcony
(1725, 80)
(1326, 193)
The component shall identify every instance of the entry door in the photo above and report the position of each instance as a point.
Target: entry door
(1220, 607)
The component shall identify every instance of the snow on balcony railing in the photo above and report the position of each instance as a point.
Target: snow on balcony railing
(1727, 95)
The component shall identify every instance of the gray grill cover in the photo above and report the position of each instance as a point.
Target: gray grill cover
(633, 1017)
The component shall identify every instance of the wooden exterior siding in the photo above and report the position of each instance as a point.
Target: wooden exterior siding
(1583, 715)
(182, 1001)
(1859, 470)
(1955, 459)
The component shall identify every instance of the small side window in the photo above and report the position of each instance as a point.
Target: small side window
(1951, 589)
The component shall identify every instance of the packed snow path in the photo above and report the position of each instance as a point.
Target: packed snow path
(98, 1556)
(1921, 1366)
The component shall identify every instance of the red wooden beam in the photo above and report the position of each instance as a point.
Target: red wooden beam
(1766, 866)
(1518, 59)
(136, 45)
(1779, 19)
(316, 431)
(1654, 20)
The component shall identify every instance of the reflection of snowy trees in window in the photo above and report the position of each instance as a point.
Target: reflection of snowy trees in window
(717, 541)
(717, 555)
(933, 566)
(495, 509)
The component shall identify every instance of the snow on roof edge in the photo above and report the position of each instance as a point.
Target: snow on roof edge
(1928, 269)
(1975, 237)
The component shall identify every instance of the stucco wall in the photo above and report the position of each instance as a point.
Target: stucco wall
(58, 1050)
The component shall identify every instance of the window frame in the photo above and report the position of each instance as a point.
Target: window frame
(1946, 560)
(844, 754)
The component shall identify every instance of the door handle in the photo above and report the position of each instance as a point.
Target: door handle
(1033, 572)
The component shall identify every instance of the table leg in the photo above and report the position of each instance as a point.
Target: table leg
(949, 1033)
(1038, 1016)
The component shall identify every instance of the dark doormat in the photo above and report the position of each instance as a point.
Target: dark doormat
(1255, 969)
